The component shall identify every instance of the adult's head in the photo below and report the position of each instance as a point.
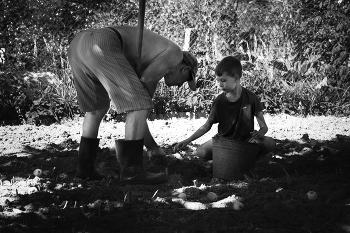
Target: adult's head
(228, 73)
(185, 71)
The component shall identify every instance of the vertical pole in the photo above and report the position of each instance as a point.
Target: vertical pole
(140, 26)
(187, 42)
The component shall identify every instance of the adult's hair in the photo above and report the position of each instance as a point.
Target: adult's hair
(231, 66)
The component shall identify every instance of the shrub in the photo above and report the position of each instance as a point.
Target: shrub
(286, 47)
(13, 100)
(53, 98)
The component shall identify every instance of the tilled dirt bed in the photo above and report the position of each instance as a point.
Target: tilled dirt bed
(312, 154)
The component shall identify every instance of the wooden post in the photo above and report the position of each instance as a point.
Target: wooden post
(140, 26)
(187, 42)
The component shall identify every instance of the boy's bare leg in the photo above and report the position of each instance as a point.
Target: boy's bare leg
(268, 144)
(205, 151)
(92, 122)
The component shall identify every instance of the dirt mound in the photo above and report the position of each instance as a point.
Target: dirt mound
(312, 154)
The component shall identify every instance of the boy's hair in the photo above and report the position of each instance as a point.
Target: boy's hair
(231, 65)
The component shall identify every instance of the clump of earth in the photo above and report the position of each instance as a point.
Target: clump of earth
(302, 186)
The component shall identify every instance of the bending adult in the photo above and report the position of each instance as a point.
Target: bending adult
(105, 68)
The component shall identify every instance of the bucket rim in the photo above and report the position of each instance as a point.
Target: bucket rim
(235, 140)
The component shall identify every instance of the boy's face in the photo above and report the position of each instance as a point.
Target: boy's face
(227, 83)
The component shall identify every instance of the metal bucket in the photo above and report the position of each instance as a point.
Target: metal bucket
(232, 158)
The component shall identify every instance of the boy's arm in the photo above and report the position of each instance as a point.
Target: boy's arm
(262, 124)
(199, 133)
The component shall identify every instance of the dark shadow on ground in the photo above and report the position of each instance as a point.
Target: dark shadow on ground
(274, 197)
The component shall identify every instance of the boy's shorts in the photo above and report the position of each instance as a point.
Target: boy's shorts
(102, 73)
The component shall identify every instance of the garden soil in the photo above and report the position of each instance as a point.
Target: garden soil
(312, 154)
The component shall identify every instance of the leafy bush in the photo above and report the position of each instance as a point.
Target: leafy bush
(53, 99)
(14, 101)
(295, 54)
(323, 30)
(36, 98)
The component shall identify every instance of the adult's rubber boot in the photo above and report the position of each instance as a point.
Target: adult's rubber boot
(86, 159)
(130, 155)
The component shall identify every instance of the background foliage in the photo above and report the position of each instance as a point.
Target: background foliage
(295, 53)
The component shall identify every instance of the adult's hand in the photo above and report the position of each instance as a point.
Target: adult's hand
(157, 157)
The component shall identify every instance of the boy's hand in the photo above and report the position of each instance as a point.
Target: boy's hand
(256, 134)
(157, 157)
(255, 137)
(180, 145)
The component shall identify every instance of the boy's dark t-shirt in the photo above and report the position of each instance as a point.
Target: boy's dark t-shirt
(236, 119)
